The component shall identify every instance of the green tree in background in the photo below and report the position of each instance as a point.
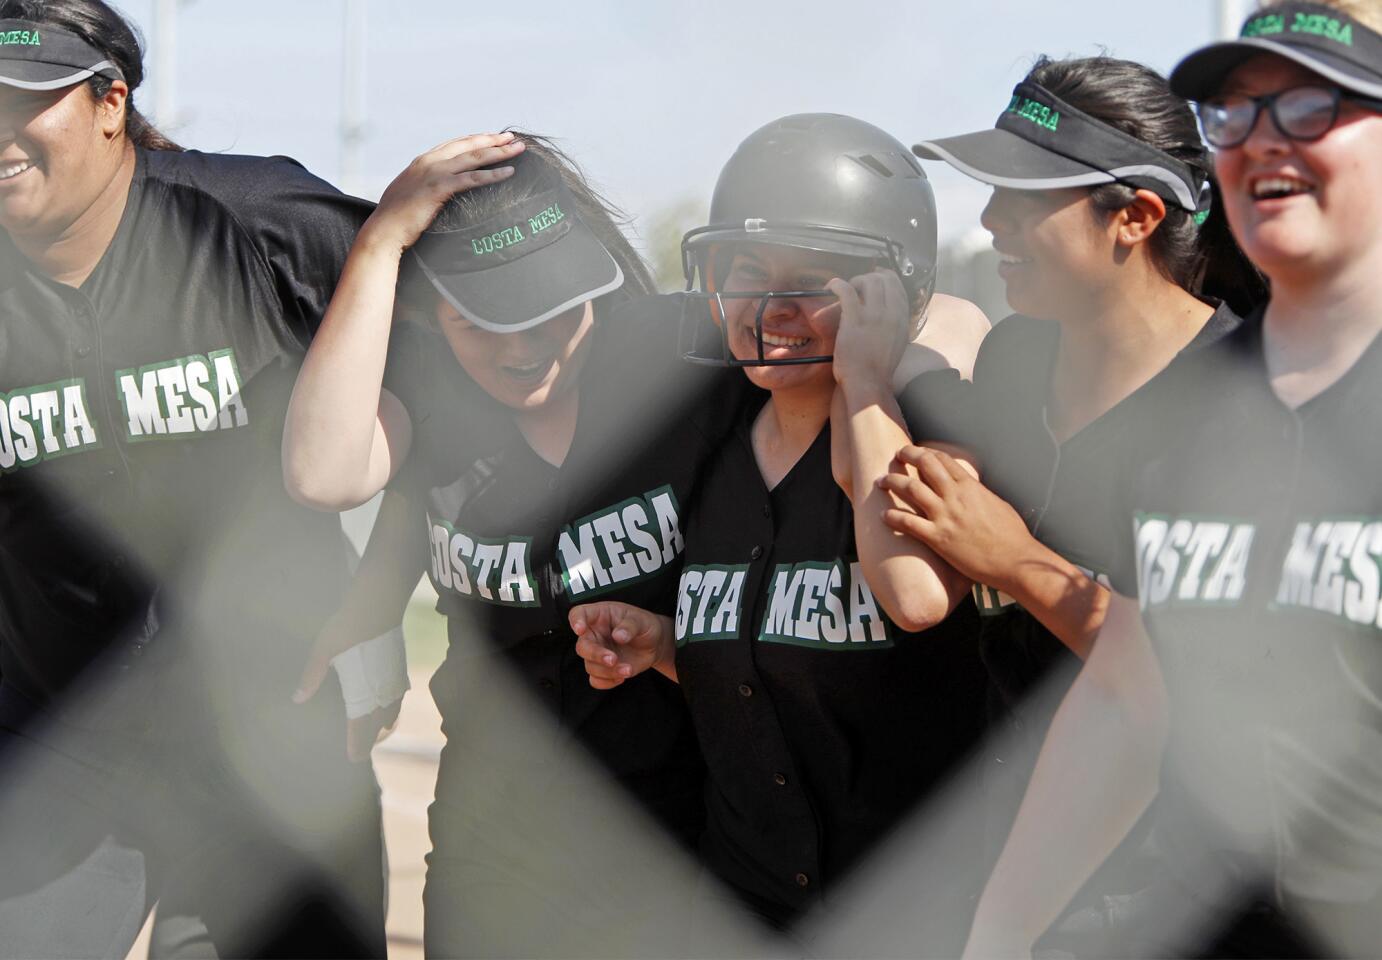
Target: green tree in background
(662, 241)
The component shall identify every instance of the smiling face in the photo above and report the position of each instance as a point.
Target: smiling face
(1301, 211)
(788, 330)
(528, 370)
(58, 151)
(1052, 248)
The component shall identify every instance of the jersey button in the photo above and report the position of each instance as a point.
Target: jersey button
(83, 351)
(803, 880)
(780, 779)
(755, 553)
(745, 690)
(767, 511)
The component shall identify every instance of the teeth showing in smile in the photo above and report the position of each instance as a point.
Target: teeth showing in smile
(14, 170)
(1272, 188)
(1010, 259)
(772, 340)
(527, 369)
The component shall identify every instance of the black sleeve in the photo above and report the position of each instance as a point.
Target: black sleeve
(1122, 552)
(406, 370)
(406, 374)
(938, 407)
(1010, 373)
(304, 227)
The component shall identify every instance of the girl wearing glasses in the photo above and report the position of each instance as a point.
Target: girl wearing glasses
(1237, 676)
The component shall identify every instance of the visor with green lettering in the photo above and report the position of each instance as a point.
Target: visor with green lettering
(525, 266)
(34, 56)
(1042, 143)
(1319, 38)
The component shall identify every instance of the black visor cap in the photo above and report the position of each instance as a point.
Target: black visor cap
(1320, 38)
(1042, 143)
(34, 56)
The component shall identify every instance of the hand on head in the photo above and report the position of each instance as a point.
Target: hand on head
(416, 196)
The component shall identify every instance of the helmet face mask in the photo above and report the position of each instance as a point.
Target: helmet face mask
(706, 302)
(817, 183)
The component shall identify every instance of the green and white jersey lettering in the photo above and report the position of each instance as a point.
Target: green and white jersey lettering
(991, 601)
(1332, 568)
(621, 544)
(710, 603)
(1331, 565)
(1191, 560)
(826, 606)
(42, 422)
(496, 571)
(197, 394)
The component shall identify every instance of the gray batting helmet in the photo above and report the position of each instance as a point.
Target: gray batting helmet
(815, 181)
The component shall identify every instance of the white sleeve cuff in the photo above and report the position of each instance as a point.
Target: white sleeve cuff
(373, 674)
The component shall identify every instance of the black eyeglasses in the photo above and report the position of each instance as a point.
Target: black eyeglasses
(1301, 113)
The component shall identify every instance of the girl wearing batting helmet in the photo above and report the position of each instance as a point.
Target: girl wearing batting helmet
(1237, 668)
(832, 679)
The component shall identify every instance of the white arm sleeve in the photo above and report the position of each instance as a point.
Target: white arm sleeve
(373, 674)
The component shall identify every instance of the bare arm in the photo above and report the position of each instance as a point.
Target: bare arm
(981, 535)
(914, 585)
(345, 436)
(1096, 775)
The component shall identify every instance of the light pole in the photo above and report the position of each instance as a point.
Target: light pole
(165, 61)
(353, 96)
(1231, 13)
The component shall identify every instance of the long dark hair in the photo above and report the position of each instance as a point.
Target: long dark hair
(1201, 258)
(603, 218)
(105, 29)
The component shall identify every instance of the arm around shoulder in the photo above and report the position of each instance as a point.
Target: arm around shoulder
(949, 338)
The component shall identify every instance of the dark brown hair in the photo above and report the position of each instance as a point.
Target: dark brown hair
(1203, 258)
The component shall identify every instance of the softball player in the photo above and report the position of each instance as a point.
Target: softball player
(540, 417)
(1239, 654)
(831, 684)
(155, 304)
(1117, 261)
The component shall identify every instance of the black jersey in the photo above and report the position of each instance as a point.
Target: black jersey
(1251, 537)
(1064, 491)
(514, 542)
(821, 721)
(140, 421)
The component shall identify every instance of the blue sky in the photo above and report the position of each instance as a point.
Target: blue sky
(650, 96)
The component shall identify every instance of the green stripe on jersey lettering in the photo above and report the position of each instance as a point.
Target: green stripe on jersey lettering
(824, 606)
(43, 422)
(621, 544)
(196, 394)
(710, 602)
(497, 571)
